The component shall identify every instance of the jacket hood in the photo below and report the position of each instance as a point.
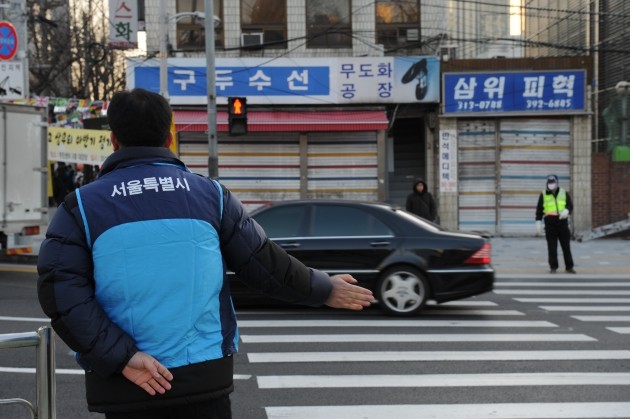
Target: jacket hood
(420, 180)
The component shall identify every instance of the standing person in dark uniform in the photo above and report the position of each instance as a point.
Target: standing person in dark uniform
(555, 205)
(421, 202)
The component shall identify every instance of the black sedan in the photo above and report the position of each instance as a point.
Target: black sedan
(404, 259)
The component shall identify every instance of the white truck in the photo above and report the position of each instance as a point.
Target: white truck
(23, 178)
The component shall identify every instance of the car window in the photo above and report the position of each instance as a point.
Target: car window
(336, 220)
(281, 221)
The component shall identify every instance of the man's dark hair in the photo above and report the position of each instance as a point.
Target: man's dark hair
(139, 118)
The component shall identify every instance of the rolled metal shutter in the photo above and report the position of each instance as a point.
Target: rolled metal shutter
(477, 175)
(258, 168)
(530, 150)
(343, 165)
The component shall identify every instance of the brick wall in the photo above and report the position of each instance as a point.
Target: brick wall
(611, 190)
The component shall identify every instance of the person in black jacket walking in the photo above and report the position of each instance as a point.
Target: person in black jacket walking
(421, 202)
(133, 274)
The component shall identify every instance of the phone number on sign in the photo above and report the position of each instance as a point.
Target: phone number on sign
(484, 105)
(549, 104)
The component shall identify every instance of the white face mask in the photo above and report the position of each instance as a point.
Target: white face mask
(552, 186)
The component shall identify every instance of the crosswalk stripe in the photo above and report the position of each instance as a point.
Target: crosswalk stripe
(396, 356)
(444, 380)
(620, 330)
(563, 284)
(464, 303)
(347, 338)
(573, 300)
(602, 318)
(77, 371)
(562, 292)
(394, 323)
(586, 308)
(457, 411)
(462, 312)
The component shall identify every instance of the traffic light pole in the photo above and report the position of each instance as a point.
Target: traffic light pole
(213, 155)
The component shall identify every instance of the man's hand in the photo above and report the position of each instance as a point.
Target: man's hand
(145, 371)
(564, 214)
(539, 227)
(346, 295)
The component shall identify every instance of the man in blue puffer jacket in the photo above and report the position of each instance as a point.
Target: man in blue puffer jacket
(133, 275)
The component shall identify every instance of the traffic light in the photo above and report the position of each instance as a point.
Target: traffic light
(237, 115)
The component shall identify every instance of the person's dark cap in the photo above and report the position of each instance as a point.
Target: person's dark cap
(552, 178)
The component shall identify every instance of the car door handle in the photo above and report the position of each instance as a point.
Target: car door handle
(290, 245)
(380, 244)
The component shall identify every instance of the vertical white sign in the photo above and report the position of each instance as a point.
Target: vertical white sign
(11, 80)
(123, 30)
(448, 161)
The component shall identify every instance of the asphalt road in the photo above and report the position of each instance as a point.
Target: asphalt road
(534, 348)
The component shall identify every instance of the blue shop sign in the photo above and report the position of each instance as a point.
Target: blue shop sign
(518, 92)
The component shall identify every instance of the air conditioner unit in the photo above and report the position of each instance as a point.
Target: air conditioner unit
(251, 39)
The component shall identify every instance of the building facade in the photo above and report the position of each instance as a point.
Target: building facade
(344, 143)
(359, 145)
(601, 30)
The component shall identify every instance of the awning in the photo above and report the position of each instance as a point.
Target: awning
(268, 121)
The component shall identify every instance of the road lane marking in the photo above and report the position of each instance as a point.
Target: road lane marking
(602, 318)
(462, 312)
(394, 323)
(417, 338)
(620, 330)
(562, 292)
(586, 308)
(426, 356)
(573, 300)
(18, 268)
(594, 410)
(563, 284)
(65, 371)
(445, 380)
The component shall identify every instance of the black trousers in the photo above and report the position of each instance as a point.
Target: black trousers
(214, 409)
(558, 230)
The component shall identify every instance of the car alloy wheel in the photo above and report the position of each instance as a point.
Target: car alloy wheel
(402, 291)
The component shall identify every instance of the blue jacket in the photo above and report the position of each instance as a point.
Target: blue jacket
(137, 260)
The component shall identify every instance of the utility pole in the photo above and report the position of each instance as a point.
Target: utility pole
(213, 155)
(163, 51)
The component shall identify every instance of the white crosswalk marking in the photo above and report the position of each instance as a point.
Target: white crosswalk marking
(573, 300)
(620, 330)
(561, 292)
(563, 284)
(393, 323)
(586, 308)
(603, 318)
(398, 356)
(418, 338)
(445, 380)
(455, 411)
(318, 360)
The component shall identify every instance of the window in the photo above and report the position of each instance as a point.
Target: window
(328, 24)
(397, 22)
(266, 17)
(336, 221)
(191, 34)
(282, 222)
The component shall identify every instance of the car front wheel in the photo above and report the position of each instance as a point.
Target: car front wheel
(402, 291)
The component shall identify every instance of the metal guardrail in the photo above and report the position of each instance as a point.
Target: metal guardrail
(44, 342)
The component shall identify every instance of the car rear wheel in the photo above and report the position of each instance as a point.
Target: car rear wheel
(402, 291)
